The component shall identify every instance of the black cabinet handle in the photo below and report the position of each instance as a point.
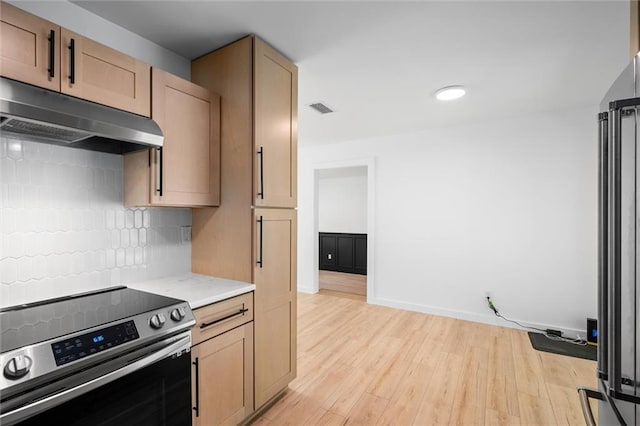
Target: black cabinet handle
(72, 61)
(197, 406)
(261, 154)
(260, 223)
(52, 52)
(219, 320)
(159, 171)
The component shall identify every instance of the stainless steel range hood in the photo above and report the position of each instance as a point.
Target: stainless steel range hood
(46, 116)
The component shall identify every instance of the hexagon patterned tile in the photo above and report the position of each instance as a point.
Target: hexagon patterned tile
(62, 221)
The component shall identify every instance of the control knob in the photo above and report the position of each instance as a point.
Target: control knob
(177, 314)
(17, 367)
(157, 321)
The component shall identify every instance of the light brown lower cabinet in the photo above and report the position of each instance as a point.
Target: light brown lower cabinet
(222, 358)
(275, 301)
(222, 385)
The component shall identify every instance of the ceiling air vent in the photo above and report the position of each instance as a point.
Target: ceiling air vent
(321, 108)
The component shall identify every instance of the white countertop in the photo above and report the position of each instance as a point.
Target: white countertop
(198, 290)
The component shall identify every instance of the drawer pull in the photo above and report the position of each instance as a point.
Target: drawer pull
(209, 324)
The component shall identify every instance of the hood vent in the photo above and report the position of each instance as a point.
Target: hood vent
(321, 108)
(23, 127)
(51, 117)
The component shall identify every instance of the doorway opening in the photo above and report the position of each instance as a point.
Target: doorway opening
(343, 222)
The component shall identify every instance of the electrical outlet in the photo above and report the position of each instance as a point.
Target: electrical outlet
(329, 256)
(185, 234)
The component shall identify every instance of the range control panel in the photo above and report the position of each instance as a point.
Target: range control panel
(78, 347)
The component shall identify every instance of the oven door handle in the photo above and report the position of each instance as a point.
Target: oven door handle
(176, 345)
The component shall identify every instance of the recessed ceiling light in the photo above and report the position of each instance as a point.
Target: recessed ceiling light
(450, 93)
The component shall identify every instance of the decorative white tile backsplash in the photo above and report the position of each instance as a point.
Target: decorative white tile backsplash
(63, 225)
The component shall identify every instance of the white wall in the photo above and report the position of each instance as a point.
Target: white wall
(507, 207)
(342, 200)
(85, 23)
(62, 225)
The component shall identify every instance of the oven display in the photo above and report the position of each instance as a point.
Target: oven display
(78, 347)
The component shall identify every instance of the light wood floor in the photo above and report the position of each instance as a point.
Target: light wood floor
(372, 365)
(342, 282)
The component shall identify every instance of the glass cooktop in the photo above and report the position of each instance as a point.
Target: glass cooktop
(25, 325)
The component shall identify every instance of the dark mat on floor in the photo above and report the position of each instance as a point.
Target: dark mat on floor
(542, 343)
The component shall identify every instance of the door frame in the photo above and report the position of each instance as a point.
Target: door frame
(369, 163)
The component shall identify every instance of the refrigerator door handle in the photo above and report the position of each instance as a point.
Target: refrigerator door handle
(614, 340)
(603, 235)
(614, 241)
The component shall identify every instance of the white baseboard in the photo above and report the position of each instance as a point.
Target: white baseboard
(470, 316)
(308, 290)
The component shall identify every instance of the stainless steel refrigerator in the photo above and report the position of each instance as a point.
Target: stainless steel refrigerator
(618, 250)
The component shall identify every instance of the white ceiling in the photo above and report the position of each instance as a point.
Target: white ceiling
(378, 63)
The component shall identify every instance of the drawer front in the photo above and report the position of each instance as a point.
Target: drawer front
(217, 318)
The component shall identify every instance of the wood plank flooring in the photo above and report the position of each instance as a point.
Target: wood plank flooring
(371, 365)
(340, 281)
(342, 294)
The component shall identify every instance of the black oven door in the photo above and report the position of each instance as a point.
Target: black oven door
(150, 391)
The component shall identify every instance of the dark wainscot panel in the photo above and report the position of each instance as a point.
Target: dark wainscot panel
(342, 252)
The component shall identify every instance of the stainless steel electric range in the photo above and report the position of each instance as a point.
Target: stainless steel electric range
(112, 357)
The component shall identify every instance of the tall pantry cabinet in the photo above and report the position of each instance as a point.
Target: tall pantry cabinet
(252, 235)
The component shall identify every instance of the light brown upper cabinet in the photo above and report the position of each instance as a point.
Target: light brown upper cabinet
(275, 130)
(29, 48)
(38, 52)
(259, 149)
(186, 170)
(100, 74)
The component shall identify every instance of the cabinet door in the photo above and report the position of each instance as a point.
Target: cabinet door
(222, 385)
(275, 302)
(275, 131)
(29, 48)
(100, 74)
(186, 172)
